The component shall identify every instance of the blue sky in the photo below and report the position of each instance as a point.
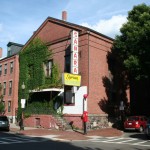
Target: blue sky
(20, 18)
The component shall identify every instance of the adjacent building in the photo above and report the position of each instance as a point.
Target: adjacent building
(9, 78)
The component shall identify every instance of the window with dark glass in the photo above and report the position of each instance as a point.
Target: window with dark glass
(11, 67)
(67, 63)
(9, 106)
(10, 87)
(5, 69)
(4, 89)
(9, 51)
(69, 96)
(68, 59)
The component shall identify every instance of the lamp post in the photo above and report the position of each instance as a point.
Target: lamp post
(23, 101)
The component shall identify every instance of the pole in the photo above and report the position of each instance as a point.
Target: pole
(22, 107)
(85, 116)
(21, 123)
(85, 127)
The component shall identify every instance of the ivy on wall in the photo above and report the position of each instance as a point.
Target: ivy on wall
(31, 66)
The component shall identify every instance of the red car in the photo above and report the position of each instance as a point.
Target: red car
(135, 123)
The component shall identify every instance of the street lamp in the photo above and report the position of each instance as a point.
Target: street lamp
(23, 101)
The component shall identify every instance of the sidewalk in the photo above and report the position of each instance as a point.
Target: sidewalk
(68, 135)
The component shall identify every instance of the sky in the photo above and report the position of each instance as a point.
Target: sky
(20, 18)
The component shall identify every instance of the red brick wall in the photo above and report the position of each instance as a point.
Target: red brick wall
(43, 121)
(93, 67)
(98, 69)
(75, 120)
(53, 31)
(14, 77)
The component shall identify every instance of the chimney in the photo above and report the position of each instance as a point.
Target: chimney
(1, 50)
(64, 15)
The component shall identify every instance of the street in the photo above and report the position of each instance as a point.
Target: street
(130, 141)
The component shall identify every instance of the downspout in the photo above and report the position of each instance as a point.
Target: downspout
(88, 63)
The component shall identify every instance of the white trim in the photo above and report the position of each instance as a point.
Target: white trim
(46, 90)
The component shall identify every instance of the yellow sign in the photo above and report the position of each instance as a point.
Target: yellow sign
(71, 79)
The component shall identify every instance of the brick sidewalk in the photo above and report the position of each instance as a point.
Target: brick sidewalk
(69, 135)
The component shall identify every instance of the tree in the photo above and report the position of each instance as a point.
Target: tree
(132, 54)
(132, 47)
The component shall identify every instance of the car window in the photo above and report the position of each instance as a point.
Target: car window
(3, 119)
(133, 118)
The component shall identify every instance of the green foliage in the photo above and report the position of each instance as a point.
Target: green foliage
(39, 108)
(2, 107)
(133, 45)
(31, 62)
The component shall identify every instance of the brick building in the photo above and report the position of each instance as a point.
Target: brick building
(9, 78)
(93, 48)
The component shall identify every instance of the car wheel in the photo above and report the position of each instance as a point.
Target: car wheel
(141, 129)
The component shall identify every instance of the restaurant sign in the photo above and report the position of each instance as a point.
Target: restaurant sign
(74, 52)
(71, 79)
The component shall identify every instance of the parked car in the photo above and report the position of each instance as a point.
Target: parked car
(4, 123)
(135, 123)
(147, 129)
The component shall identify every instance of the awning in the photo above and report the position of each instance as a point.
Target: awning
(47, 90)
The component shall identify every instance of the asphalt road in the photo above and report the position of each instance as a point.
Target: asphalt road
(130, 141)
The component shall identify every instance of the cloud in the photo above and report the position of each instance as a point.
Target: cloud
(110, 27)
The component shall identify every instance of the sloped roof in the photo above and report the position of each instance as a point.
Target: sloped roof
(78, 26)
(67, 24)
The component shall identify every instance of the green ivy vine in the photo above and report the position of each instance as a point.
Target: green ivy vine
(31, 69)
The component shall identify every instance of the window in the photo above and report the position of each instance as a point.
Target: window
(5, 69)
(69, 96)
(48, 68)
(10, 87)
(68, 59)
(0, 70)
(9, 106)
(4, 89)
(11, 67)
(8, 51)
(67, 63)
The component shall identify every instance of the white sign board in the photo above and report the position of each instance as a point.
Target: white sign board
(23, 102)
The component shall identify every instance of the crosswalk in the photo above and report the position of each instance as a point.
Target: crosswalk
(121, 140)
(17, 139)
